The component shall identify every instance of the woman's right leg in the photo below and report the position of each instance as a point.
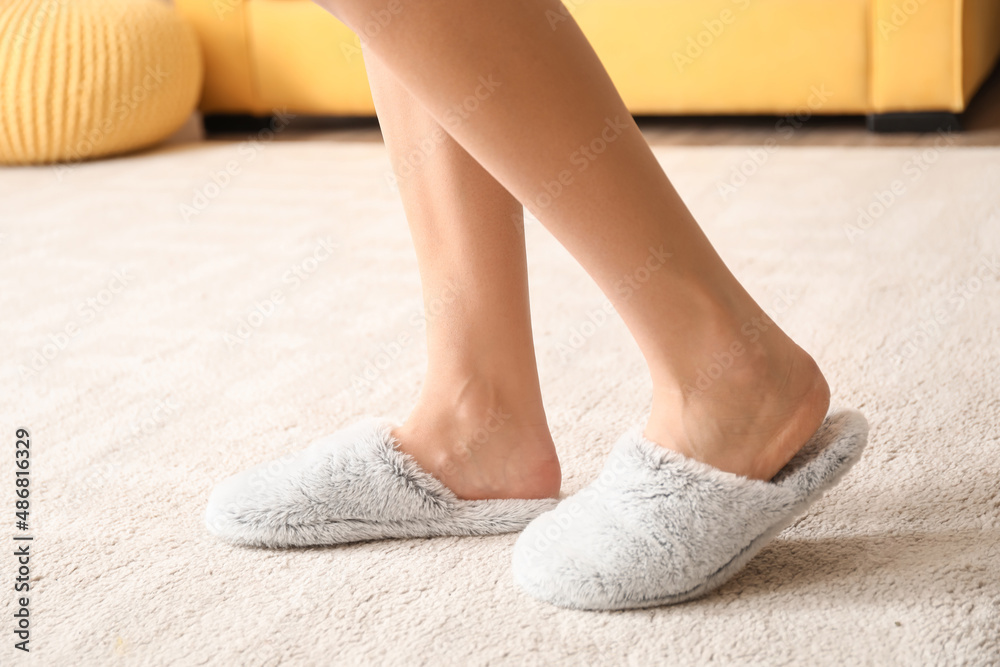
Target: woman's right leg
(518, 86)
(479, 425)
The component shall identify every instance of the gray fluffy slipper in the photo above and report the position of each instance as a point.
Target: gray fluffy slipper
(351, 486)
(657, 528)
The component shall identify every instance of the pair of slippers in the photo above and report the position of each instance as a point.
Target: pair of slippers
(654, 527)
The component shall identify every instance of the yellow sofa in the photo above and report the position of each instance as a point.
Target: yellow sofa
(907, 64)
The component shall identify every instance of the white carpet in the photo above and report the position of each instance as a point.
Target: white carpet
(148, 405)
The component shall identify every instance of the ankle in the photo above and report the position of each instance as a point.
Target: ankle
(483, 439)
(722, 350)
(474, 400)
(748, 410)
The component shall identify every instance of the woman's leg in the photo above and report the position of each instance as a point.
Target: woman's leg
(478, 425)
(518, 86)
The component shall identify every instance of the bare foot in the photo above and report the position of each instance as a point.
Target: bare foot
(746, 413)
(483, 444)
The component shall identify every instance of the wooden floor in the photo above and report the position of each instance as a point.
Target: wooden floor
(981, 127)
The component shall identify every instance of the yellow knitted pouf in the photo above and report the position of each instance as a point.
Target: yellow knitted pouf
(82, 79)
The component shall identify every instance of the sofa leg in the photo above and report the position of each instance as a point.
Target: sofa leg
(915, 121)
(235, 123)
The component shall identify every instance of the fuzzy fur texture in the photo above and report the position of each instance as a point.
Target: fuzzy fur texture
(658, 528)
(351, 486)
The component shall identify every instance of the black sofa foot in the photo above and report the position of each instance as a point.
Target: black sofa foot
(916, 121)
(236, 123)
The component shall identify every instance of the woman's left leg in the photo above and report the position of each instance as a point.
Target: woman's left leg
(479, 425)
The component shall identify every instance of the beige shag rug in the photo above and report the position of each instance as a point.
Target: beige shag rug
(164, 326)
